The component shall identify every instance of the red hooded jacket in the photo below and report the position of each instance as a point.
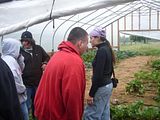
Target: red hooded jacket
(60, 95)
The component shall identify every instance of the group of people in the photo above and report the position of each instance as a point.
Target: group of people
(55, 88)
(26, 62)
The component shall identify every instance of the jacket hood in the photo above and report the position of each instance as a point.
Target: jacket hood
(11, 47)
(68, 47)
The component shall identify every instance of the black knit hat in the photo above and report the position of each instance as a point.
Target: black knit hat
(26, 35)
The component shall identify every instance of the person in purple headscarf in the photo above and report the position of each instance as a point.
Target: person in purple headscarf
(98, 101)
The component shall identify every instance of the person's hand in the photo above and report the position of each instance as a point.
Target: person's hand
(43, 66)
(89, 100)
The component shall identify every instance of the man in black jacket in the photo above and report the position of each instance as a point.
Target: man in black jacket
(9, 103)
(35, 59)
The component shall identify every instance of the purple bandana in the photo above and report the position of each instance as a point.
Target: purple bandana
(98, 32)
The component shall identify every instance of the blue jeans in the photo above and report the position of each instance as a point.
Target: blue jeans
(24, 111)
(31, 91)
(100, 109)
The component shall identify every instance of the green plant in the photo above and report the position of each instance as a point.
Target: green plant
(150, 77)
(125, 54)
(156, 76)
(143, 49)
(135, 87)
(142, 75)
(135, 111)
(150, 113)
(158, 91)
(156, 64)
(88, 58)
(119, 112)
(88, 64)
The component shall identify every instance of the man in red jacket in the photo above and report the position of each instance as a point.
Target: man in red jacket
(60, 94)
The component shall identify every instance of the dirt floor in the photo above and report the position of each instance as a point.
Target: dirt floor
(125, 72)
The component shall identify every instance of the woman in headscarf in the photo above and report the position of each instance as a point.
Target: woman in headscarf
(98, 101)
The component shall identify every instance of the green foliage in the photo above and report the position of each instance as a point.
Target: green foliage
(156, 64)
(119, 112)
(143, 49)
(135, 87)
(156, 75)
(158, 97)
(88, 64)
(88, 57)
(135, 111)
(125, 54)
(154, 52)
(141, 75)
(151, 77)
(137, 39)
(150, 113)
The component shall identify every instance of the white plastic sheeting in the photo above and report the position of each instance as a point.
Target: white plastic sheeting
(17, 15)
(149, 34)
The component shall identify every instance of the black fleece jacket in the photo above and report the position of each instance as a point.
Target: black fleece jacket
(102, 68)
(32, 72)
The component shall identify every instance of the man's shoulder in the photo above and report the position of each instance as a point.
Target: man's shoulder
(37, 47)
